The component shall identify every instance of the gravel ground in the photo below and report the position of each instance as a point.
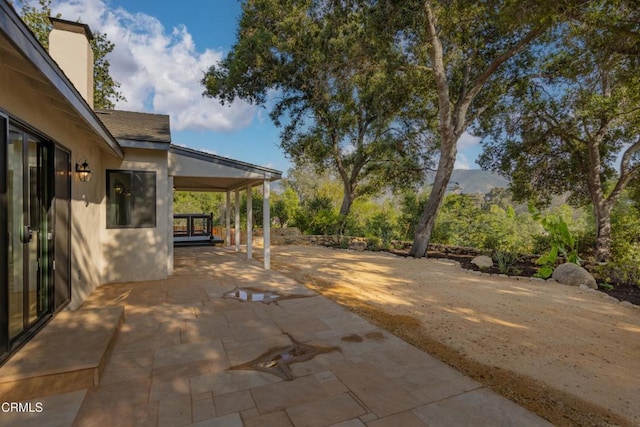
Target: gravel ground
(568, 354)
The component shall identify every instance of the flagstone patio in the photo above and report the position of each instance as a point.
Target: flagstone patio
(170, 363)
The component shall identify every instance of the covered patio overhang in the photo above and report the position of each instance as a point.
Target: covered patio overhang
(192, 170)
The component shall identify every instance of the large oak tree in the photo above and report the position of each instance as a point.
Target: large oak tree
(574, 124)
(474, 52)
(340, 89)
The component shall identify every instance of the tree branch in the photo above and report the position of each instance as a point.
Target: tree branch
(550, 119)
(626, 157)
(493, 66)
(621, 184)
(436, 54)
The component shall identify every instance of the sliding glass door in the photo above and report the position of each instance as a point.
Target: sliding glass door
(30, 235)
(35, 231)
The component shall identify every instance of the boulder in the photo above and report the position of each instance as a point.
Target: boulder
(573, 275)
(358, 246)
(482, 261)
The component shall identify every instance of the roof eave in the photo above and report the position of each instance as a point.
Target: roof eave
(147, 145)
(272, 174)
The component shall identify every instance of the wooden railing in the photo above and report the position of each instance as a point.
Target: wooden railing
(219, 231)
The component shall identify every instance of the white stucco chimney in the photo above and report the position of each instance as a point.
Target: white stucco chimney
(69, 46)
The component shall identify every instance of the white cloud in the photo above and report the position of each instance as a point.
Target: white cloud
(462, 162)
(159, 70)
(467, 141)
(468, 148)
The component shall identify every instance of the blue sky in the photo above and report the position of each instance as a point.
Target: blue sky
(163, 49)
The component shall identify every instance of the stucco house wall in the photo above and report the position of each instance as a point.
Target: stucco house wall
(132, 254)
(37, 95)
(21, 100)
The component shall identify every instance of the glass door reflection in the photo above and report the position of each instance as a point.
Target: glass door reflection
(29, 237)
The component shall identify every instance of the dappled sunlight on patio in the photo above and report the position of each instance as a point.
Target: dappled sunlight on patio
(171, 361)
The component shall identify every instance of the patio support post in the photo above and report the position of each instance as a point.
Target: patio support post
(236, 224)
(266, 220)
(170, 226)
(227, 219)
(249, 222)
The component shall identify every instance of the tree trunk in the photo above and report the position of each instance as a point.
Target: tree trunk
(451, 124)
(449, 138)
(347, 201)
(603, 232)
(430, 213)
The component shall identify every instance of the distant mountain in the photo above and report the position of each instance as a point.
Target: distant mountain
(472, 181)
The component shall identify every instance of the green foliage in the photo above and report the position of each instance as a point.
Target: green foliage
(375, 243)
(605, 286)
(492, 223)
(411, 205)
(466, 220)
(473, 52)
(284, 207)
(506, 262)
(457, 225)
(562, 242)
(611, 25)
(199, 202)
(505, 230)
(625, 248)
(105, 90)
(620, 272)
(257, 206)
(37, 19)
(572, 124)
(381, 226)
(318, 216)
(345, 98)
(344, 243)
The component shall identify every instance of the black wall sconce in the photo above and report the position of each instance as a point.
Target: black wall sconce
(83, 171)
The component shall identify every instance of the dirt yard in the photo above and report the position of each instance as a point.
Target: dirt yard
(565, 353)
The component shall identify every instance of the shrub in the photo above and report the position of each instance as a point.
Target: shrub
(374, 243)
(561, 241)
(506, 262)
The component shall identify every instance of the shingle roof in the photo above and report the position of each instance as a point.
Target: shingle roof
(136, 126)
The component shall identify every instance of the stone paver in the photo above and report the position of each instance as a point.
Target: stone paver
(170, 363)
(381, 394)
(350, 423)
(327, 411)
(404, 419)
(283, 394)
(272, 419)
(174, 411)
(477, 408)
(61, 410)
(234, 402)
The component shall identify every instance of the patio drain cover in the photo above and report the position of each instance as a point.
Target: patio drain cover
(277, 361)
